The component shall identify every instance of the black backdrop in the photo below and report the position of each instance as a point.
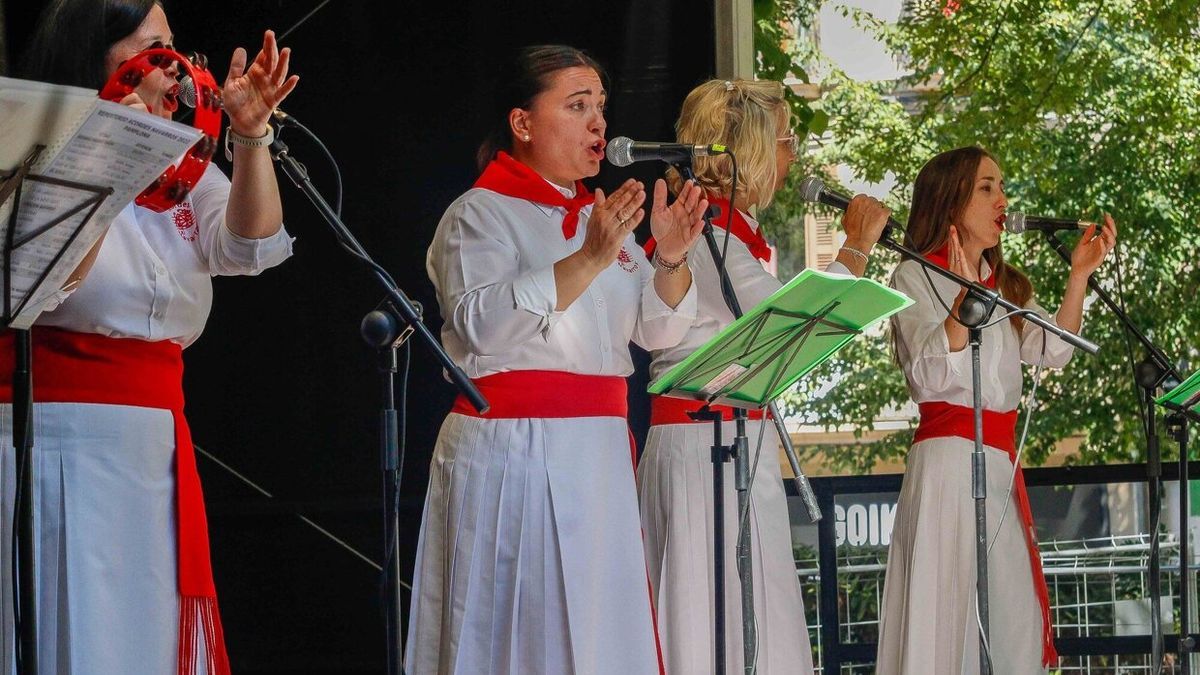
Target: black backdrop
(281, 386)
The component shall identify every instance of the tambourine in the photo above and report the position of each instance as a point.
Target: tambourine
(177, 181)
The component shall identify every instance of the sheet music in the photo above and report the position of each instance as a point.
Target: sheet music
(114, 146)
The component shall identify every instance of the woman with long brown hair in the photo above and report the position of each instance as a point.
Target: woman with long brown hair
(928, 622)
(530, 556)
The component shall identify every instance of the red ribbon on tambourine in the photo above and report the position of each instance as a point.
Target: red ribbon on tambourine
(177, 181)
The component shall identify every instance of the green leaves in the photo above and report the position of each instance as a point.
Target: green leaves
(1091, 107)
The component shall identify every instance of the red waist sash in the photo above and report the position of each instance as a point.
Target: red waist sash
(673, 410)
(940, 420)
(548, 393)
(71, 367)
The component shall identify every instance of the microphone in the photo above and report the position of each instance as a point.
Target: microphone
(812, 189)
(187, 96)
(1017, 223)
(623, 151)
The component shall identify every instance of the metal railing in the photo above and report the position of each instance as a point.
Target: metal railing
(1096, 583)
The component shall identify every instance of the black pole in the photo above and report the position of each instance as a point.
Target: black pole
(1177, 424)
(26, 610)
(979, 494)
(1149, 375)
(408, 320)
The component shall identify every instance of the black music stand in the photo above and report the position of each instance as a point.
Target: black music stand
(11, 185)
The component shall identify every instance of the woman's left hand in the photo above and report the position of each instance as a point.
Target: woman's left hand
(676, 227)
(251, 95)
(1093, 247)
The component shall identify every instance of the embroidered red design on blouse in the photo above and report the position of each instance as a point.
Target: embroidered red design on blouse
(626, 262)
(185, 221)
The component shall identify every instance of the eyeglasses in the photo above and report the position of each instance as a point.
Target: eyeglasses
(792, 141)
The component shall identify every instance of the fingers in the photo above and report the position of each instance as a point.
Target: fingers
(134, 101)
(237, 65)
(281, 68)
(623, 206)
(660, 196)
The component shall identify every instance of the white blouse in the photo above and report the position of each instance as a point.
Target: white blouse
(935, 373)
(751, 283)
(492, 264)
(152, 276)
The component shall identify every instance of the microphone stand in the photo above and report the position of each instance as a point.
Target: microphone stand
(739, 451)
(402, 313)
(974, 311)
(1150, 374)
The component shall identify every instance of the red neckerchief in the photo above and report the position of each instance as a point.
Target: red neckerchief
(749, 236)
(941, 258)
(511, 178)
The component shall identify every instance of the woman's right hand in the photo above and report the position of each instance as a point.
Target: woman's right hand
(613, 218)
(957, 262)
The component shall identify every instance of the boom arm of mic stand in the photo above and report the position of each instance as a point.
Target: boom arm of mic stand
(299, 176)
(987, 294)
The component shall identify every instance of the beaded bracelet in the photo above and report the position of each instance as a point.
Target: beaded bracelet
(669, 267)
(232, 136)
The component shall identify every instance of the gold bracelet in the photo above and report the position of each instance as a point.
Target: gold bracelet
(668, 267)
(858, 253)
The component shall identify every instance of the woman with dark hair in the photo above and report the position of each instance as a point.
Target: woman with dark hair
(928, 620)
(530, 557)
(123, 574)
(751, 118)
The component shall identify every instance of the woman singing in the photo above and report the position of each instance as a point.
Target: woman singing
(123, 573)
(754, 121)
(928, 622)
(530, 558)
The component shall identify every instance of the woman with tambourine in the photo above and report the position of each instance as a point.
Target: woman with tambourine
(124, 578)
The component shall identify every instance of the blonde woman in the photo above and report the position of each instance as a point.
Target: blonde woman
(674, 477)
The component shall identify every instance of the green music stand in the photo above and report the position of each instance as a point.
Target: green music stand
(1184, 399)
(750, 363)
(754, 359)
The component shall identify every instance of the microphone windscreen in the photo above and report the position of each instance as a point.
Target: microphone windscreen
(619, 151)
(810, 189)
(1014, 222)
(187, 92)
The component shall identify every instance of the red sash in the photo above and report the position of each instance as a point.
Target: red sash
(71, 367)
(507, 176)
(547, 394)
(673, 410)
(752, 238)
(940, 420)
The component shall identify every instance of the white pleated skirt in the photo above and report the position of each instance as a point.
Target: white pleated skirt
(104, 507)
(530, 554)
(675, 488)
(928, 619)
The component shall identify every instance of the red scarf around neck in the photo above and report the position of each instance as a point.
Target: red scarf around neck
(741, 229)
(507, 176)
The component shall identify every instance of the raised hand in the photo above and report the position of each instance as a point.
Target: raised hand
(676, 227)
(251, 95)
(1093, 247)
(613, 218)
(958, 260)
